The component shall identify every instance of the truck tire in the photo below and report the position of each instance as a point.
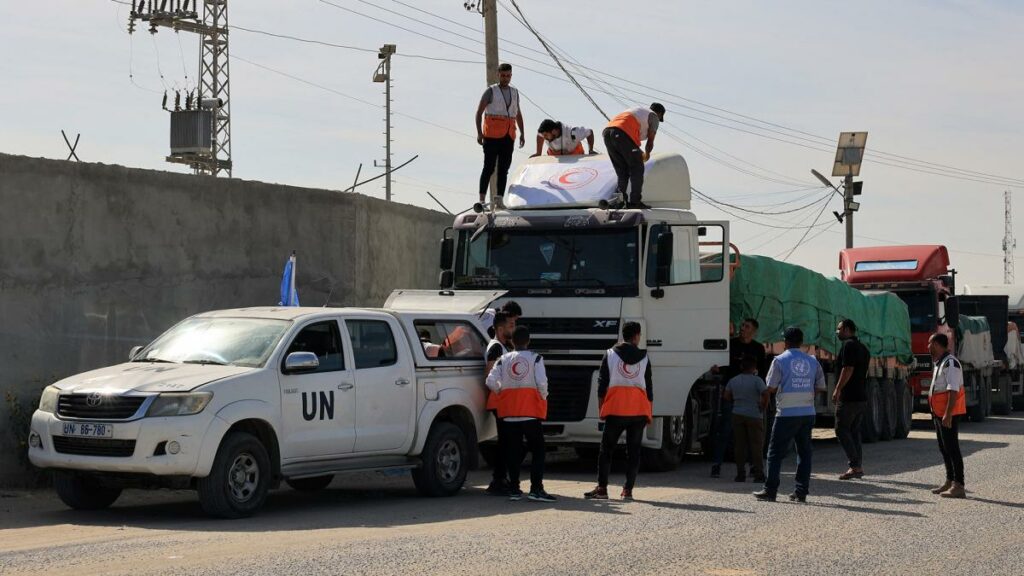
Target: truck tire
(676, 435)
(975, 413)
(445, 461)
(904, 409)
(986, 394)
(239, 480)
(891, 409)
(314, 484)
(83, 492)
(1002, 404)
(874, 418)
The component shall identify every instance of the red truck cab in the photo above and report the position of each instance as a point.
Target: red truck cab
(920, 275)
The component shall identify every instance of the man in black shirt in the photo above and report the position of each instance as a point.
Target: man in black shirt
(739, 347)
(850, 396)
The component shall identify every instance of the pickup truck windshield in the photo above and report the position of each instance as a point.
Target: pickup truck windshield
(564, 262)
(232, 341)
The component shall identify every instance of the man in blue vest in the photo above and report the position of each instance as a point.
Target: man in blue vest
(794, 378)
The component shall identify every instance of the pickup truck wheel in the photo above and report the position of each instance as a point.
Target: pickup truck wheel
(874, 418)
(445, 461)
(904, 409)
(891, 408)
(82, 492)
(314, 484)
(240, 479)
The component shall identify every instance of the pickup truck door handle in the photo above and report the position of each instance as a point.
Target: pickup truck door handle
(401, 382)
(346, 386)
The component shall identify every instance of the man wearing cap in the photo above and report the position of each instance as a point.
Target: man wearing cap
(622, 138)
(563, 140)
(794, 378)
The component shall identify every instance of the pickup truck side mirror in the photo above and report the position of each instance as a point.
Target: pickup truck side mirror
(447, 279)
(664, 259)
(134, 352)
(301, 362)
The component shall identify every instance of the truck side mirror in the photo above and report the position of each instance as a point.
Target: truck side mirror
(664, 259)
(134, 352)
(447, 251)
(447, 279)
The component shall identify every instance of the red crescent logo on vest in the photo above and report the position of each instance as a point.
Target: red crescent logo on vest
(519, 369)
(576, 178)
(629, 371)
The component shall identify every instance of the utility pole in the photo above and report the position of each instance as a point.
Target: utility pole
(1009, 242)
(383, 74)
(847, 200)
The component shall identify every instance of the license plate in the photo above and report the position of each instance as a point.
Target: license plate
(88, 430)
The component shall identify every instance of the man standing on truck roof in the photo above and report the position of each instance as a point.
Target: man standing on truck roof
(794, 378)
(563, 140)
(850, 396)
(497, 117)
(622, 138)
(624, 395)
(521, 382)
(948, 403)
(740, 347)
(498, 347)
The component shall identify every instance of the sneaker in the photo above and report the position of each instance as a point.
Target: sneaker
(498, 488)
(764, 496)
(956, 491)
(851, 474)
(515, 494)
(540, 496)
(716, 471)
(795, 497)
(598, 493)
(627, 494)
(639, 205)
(740, 478)
(943, 488)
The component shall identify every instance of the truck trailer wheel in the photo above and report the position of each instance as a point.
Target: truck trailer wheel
(904, 409)
(891, 409)
(239, 480)
(83, 492)
(314, 484)
(874, 419)
(973, 382)
(1002, 403)
(445, 461)
(675, 437)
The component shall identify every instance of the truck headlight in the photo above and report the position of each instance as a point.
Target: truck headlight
(179, 404)
(48, 401)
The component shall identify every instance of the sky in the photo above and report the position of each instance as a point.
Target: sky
(757, 93)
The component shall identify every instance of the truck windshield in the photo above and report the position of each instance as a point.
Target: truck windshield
(581, 262)
(230, 341)
(923, 308)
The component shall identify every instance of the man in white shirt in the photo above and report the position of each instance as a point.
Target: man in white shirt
(563, 140)
(948, 402)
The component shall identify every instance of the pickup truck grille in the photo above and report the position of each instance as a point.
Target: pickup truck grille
(568, 392)
(109, 407)
(94, 446)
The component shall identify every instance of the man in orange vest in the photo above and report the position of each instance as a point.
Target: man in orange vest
(496, 348)
(521, 382)
(948, 403)
(497, 117)
(563, 140)
(622, 138)
(624, 393)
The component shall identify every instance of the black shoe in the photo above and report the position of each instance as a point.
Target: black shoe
(740, 478)
(716, 471)
(498, 488)
(540, 496)
(515, 494)
(598, 493)
(794, 497)
(638, 205)
(764, 496)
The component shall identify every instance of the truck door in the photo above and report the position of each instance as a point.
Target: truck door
(686, 309)
(385, 384)
(318, 406)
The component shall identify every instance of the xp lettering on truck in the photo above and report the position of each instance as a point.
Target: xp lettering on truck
(233, 402)
(580, 270)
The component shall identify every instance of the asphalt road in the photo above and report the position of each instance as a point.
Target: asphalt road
(683, 523)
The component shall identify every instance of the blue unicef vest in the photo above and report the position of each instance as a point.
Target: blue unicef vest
(796, 388)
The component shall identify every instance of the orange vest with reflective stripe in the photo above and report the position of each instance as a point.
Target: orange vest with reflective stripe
(633, 122)
(627, 388)
(492, 397)
(938, 394)
(499, 115)
(577, 151)
(520, 395)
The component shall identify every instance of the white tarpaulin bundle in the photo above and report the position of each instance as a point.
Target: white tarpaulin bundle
(1013, 349)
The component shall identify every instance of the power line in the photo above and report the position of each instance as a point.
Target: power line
(824, 206)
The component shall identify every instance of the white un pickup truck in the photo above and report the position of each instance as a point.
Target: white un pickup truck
(233, 402)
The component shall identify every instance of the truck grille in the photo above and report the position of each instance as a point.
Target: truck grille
(571, 325)
(94, 446)
(568, 392)
(109, 407)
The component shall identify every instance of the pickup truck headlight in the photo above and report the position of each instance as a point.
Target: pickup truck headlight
(179, 404)
(48, 401)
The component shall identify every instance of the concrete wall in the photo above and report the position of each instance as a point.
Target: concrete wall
(95, 259)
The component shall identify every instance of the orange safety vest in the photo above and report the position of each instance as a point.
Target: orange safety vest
(633, 122)
(627, 388)
(577, 151)
(499, 115)
(492, 397)
(938, 393)
(519, 394)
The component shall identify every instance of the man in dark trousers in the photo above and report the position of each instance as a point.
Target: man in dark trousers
(850, 396)
(740, 347)
(624, 393)
(499, 345)
(623, 137)
(497, 117)
(948, 403)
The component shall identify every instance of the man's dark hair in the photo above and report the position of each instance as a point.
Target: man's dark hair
(940, 339)
(630, 330)
(793, 336)
(658, 109)
(521, 337)
(753, 322)
(748, 362)
(848, 324)
(548, 125)
(512, 308)
(424, 335)
(500, 318)
(504, 67)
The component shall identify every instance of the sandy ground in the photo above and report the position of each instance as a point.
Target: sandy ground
(683, 523)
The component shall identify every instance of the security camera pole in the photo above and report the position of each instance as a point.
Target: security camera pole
(849, 156)
(383, 74)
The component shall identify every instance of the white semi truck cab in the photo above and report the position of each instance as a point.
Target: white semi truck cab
(580, 270)
(232, 402)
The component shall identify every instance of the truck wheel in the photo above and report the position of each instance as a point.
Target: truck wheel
(1003, 402)
(83, 492)
(239, 480)
(874, 418)
(675, 437)
(986, 390)
(891, 408)
(975, 413)
(445, 461)
(904, 409)
(314, 484)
